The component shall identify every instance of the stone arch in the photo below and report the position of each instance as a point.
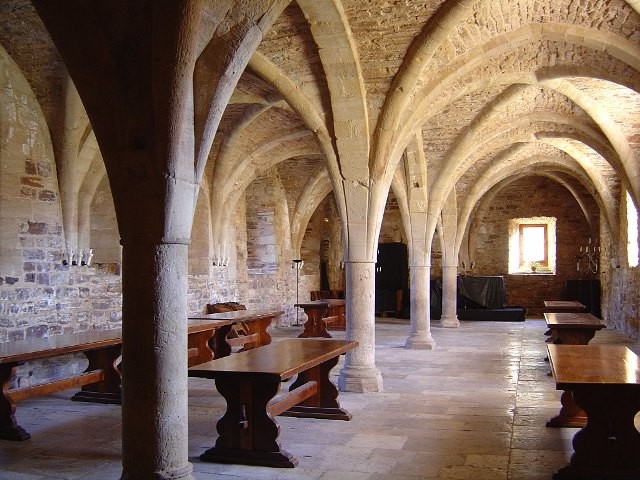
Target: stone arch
(243, 176)
(202, 241)
(29, 199)
(311, 117)
(315, 190)
(404, 89)
(500, 174)
(340, 60)
(391, 136)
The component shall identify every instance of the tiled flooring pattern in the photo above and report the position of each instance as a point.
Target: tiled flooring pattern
(474, 408)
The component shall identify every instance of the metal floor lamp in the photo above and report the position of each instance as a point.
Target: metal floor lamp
(297, 264)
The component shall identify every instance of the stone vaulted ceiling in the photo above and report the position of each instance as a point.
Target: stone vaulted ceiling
(428, 97)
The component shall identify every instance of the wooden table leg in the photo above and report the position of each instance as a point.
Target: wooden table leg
(324, 404)
(609, 444)
(573, 336)
(218, 342)
(570, 415)
(315, 325)
(9, 428)
(108, 390)
(247, 434)
(259, 327)
(198, 348)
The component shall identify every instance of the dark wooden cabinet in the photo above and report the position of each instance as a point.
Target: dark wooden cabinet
(587, 292)
(392, 280)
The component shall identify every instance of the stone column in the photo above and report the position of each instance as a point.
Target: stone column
(154, 388)
(360, 373)
(420, 336)
(449, 292)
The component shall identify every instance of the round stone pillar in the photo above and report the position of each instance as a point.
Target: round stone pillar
(154, 366)
(420, 334)
(449, 292)
(360, 373)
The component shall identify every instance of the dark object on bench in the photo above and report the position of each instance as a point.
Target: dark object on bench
(249, 381)
(239, 330)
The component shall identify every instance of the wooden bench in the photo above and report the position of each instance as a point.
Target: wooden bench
(605, 381)
(320, 313)
(249, 381)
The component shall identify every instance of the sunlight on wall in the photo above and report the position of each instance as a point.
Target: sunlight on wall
(632, 232)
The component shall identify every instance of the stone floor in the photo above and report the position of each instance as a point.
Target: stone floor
(473, 408)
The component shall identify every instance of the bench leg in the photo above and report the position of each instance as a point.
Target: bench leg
(9, 428)
(108, 390)
(247, 434)
(608, 445)
(323, 404)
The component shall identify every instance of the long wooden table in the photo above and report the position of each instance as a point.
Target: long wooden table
(102, 349)
(605, 381)
(100, 382)
(323, 314)
(257, 322)
(249, 381)
(572, 328)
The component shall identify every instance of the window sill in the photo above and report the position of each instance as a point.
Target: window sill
(533, 273)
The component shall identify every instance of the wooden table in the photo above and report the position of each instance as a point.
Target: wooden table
(249, 381)
(101, 378)
(257, 322)
(564, 306)
(571, 329)
(605, 381)
(100, 382)
(320, 313)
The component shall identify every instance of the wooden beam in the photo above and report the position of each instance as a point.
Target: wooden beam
(278, 405)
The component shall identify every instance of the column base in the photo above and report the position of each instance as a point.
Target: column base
(360, 380)
(420, 341)
(449, 322)
(183, 473)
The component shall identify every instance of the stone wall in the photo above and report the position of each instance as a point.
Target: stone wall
(529, 197)
(621, 298)
(39, 296)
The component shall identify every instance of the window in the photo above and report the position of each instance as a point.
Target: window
(532, 245)
(632, 232)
